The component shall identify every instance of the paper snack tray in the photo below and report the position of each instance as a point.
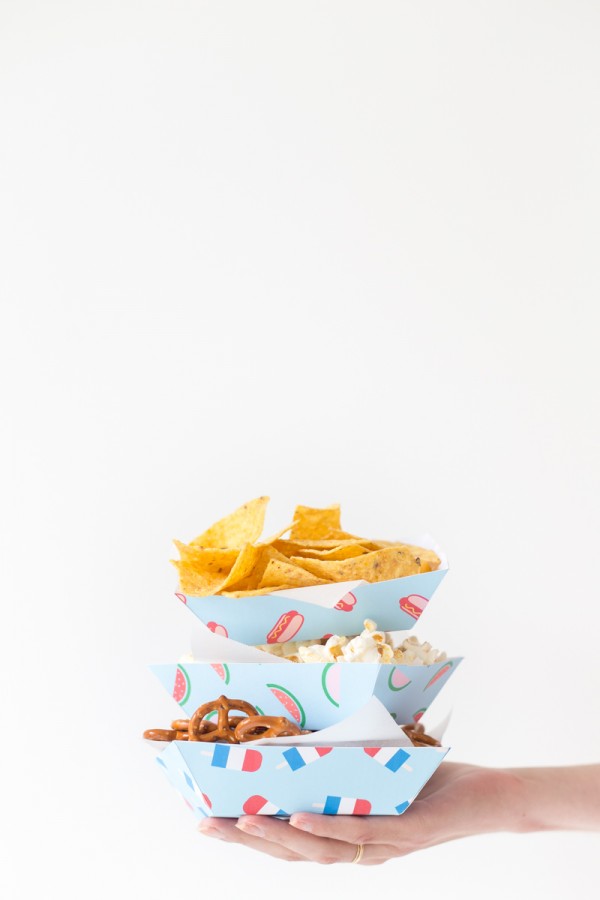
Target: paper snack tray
(308, 613)
(233, 780)
(314, 695)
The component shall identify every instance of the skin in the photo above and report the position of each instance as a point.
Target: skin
(460, 800)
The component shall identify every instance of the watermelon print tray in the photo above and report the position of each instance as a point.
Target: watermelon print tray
(232, 780)
(310, 612)
(315, 695)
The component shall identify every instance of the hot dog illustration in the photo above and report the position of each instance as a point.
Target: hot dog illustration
(346, 603)
(413, 605)
(285, 628)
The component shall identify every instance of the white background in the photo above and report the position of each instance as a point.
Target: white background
(329, 251)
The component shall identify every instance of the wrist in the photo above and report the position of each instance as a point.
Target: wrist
(523, 801)
(552, 799)
(504, 796)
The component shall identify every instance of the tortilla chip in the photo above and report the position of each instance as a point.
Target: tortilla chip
(275, 537)
(379, 565)
(430, 561)
(261, 592)
(426, 557)
(203, 571)
(345, 551)
(242, 568)
(336, 535)
(207, 559)
(278, 573)
(298, 548)
(263, 558)
(244, 526)
(313, 523)
(197, 583)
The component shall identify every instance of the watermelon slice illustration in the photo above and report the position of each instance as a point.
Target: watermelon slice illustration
(330, 680)
(182, 597)
(222, 671)
(398, 680)
(439, 674)
(291, 703)
(419, 713)
(182, 687)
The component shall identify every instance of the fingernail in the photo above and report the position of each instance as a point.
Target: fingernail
(300, 823)
(209, 829)
(250, 828)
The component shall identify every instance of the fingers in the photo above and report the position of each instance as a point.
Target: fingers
(351, 829)
(225, 830)
(276, 838)
(308, 846)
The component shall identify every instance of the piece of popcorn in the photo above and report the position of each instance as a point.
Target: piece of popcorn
(386, 653)
(315, 653)
(336, 641)
(412, 653)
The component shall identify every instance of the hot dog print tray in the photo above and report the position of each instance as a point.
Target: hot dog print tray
(308, 613)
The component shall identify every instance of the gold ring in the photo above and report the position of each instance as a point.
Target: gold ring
(360, 849)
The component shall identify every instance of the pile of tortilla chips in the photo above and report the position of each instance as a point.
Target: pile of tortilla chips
(229, 559)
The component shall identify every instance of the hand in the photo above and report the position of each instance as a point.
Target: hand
(458, 801)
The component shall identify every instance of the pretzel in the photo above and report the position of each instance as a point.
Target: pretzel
(416, 734)
(180, 724)
(255, 727)
(224, 731)
(160, 734)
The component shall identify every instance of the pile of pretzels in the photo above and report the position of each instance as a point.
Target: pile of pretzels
(235, 729)
(227, 729)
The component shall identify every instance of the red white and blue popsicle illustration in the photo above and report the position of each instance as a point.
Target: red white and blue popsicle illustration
(298, 757)
(260, 806)
(345, 806)
(393, 758)
(233, 756)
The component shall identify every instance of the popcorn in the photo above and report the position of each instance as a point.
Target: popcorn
(412, 653)
(371, 646)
